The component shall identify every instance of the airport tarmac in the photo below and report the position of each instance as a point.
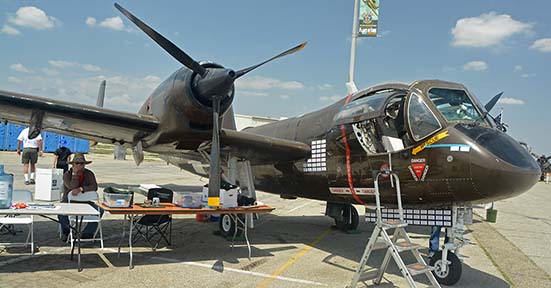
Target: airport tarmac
(294, 246)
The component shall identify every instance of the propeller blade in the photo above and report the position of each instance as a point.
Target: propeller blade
(288, 52)
(214, 171)
(168, 46)
(492, 102)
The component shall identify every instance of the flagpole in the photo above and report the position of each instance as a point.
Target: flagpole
(350, 85)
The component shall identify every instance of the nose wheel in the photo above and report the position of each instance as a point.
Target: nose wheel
(448, 272)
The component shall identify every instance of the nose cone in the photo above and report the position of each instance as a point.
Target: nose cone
(500, 167)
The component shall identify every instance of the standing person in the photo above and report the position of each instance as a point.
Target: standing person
(62, 156)
(78, 180)
(31, 149)
(434, 240)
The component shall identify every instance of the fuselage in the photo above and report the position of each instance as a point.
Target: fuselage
(435, 135)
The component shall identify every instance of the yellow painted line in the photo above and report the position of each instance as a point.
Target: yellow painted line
(105, 260)
(293, 259)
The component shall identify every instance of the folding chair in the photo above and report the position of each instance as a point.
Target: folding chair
(7, 224)
(155, 228)
(86, 197)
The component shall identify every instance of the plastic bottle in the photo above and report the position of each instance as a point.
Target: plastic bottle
(6, 188)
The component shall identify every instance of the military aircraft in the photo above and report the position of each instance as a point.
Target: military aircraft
(436, 135)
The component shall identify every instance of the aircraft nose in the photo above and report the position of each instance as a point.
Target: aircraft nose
(500, 167)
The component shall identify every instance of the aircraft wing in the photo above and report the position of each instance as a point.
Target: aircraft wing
(262, 149)
(89, 122)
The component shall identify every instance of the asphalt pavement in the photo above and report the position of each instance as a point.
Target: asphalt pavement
(294, 246)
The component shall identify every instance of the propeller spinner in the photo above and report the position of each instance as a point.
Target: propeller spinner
(211, 84)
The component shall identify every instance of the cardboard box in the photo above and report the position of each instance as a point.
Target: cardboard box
(228, 199)
(49, 184)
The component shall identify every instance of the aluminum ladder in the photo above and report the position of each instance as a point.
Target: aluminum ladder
(380, 236)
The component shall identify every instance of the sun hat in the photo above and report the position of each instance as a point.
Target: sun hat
(79, 158)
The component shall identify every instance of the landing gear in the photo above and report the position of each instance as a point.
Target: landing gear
(345, 215)
(449, 272)
(447, 266)
(227, 226)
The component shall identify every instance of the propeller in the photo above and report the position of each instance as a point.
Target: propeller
(212, 85)
(492, 102)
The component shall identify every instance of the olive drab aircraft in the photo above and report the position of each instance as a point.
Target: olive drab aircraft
(439, 139)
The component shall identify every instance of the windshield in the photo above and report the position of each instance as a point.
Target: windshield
(455, 105)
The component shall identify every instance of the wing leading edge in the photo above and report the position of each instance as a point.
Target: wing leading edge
(89, 122)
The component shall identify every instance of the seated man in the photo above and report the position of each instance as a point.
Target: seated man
(75, 181)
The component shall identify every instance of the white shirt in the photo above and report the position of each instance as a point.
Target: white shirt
(28, 143)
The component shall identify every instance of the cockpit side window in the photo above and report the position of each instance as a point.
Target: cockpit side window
(455, 105)
(422, 121)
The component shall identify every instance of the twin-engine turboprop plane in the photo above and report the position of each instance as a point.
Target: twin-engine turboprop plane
(438, 138)
(441, 140)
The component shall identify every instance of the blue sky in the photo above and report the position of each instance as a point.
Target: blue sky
(63, 49)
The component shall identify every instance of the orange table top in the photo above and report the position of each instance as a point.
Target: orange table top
(170, 208)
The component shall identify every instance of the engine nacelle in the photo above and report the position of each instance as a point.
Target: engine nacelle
(187, 98)
(180, 105)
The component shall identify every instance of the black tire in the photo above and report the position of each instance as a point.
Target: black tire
(350, 218)
(227, 225)
(453, 271)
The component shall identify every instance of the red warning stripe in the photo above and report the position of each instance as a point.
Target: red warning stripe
(348, 168)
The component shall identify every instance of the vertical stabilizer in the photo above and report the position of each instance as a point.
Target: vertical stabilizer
(101, 94)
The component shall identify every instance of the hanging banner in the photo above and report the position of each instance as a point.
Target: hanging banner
(369, 18)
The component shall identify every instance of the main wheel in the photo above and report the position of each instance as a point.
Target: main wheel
(227, 226)
(350, 218)
(453, 270)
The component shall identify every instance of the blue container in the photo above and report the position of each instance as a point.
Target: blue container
(70, 142)
(6, 188)
(3, 136)
(82, 146)
(12, 134)
(50, 140)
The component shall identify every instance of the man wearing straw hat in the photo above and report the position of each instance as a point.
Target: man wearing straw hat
(76, 181)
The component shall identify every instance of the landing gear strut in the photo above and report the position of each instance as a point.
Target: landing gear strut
(345, 215)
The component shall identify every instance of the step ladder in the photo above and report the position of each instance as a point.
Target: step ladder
(395, 245)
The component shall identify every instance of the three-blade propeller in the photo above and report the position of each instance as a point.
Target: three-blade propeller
(212, 84)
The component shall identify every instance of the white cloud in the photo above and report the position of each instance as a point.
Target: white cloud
(14, 79)
(20, 68)
(252, 93)
(330, 98)
(152, 79)
(62, 63)
(90, 21)
(325, 86)
(91, 68)
(510, 101)
(123, 93)
(486, 30)
(291, 85)
(7, 29)
(475, 66)
(50, 72)
(265, 83)
(284, 96)
(32, 17)
(528, 75)
(518, 68)
(114, 23)
(542, 45)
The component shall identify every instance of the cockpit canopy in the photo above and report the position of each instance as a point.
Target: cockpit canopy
(392, 119)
